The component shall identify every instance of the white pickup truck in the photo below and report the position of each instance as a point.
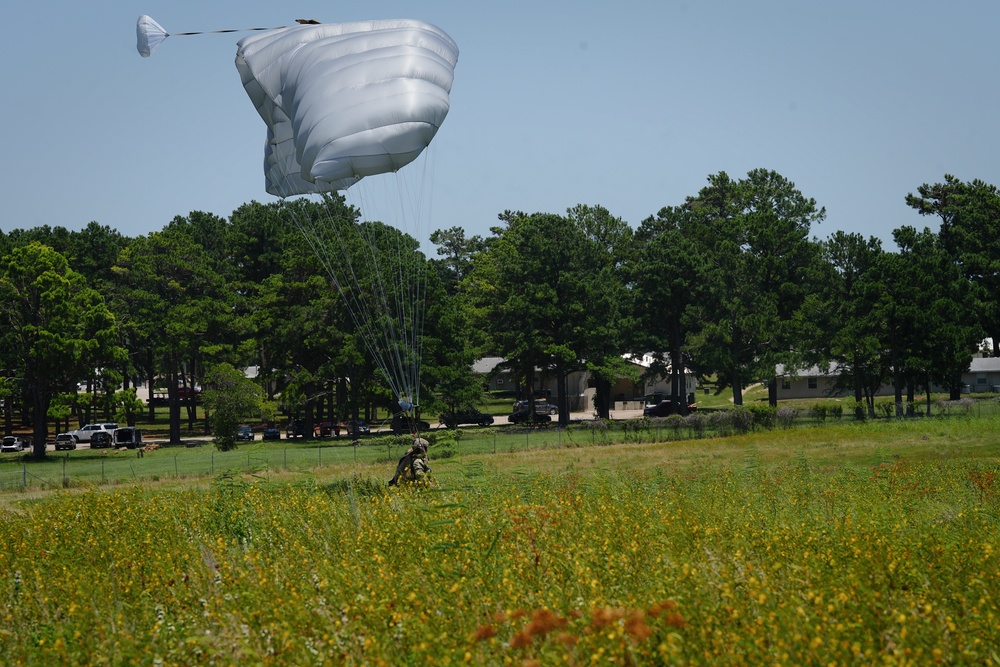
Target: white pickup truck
(84, 434)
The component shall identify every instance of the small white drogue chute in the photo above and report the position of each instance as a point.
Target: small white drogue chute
(149, 34)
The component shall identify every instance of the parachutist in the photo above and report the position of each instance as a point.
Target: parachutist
(412, 466)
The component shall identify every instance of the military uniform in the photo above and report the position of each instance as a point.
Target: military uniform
(413, 464)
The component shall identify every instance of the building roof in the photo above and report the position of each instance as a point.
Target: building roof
(978, 365)
(985, 365)
(486, 365)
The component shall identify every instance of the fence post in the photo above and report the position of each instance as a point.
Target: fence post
(102, 471)
(24, 475)
(176, 472)
(65, 460)
(286, 458)
(494, 442)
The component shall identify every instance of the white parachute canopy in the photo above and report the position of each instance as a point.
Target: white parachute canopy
(342, 101)
(148, 35)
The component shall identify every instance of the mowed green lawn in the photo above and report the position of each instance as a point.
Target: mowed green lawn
(843, 543)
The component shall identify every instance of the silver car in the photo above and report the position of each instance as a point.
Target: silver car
(11, 443)
(65, 441)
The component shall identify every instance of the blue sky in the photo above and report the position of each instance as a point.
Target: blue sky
(629, 105)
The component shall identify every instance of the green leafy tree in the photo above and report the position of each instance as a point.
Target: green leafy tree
(754, 235)
(458, 252)
(669, 281)
(451, 346)
(232, 398)
(55, 324)
(178, 312)
(969, 213)
(942, 308)
(610, 244)
(843, 315)
(128, 405)
(534, 290)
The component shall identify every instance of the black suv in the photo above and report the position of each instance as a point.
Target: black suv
(542, 407)
(404, 424)
(453, 419)
(100, 439)
(296, 429)
(244, 433)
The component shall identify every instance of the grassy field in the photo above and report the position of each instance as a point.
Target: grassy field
(200, 459)
(840, 543)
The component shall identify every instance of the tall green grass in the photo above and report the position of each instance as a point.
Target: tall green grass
(833, 441)
(738, 557)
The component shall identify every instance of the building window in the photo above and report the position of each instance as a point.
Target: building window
(813, 383)
(981, 379)
(786, 384)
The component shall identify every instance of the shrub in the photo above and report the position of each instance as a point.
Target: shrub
(786, 416)
(675, 423)
(742, 419)
(696, 421)
(886, 408)
(763, 415)
(721, 421)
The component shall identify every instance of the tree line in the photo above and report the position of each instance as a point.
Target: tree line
(728, 283)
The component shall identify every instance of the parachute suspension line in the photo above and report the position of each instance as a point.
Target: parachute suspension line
(381, 280)
(331, 252)
(150, 34)
(418, 295)
(219, 32)
(403, 277)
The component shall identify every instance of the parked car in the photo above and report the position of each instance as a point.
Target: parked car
(11, 443)
(84, 434)
(244, 433)
(359, 427)
(271, 433)
(525, 417)
(326, 430)
(403, 424)
(542, 407)
(101, 439)
(188, 392)
(453, 419)
(664, 408)
(127, 436)
(65, 441)
(296, 429)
